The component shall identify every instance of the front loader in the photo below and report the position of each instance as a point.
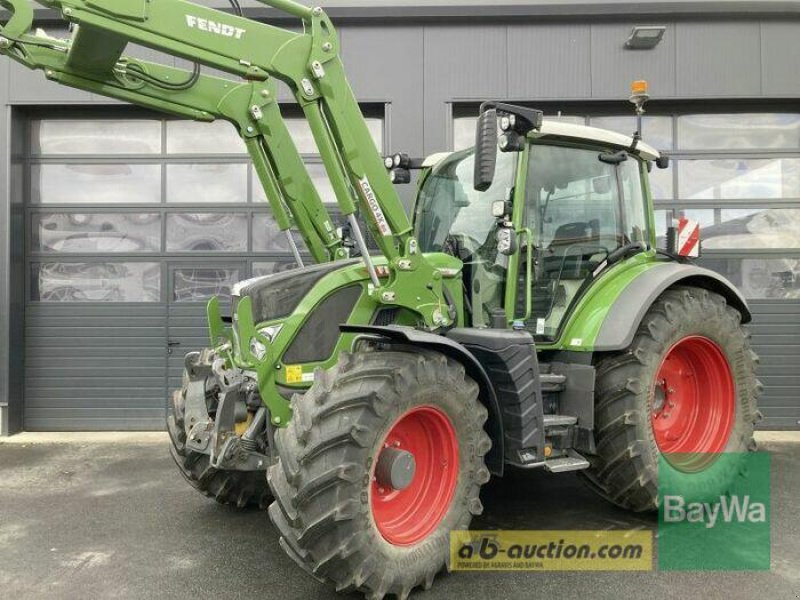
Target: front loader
(522, 318)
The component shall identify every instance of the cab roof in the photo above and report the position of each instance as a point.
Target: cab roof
(569, 131)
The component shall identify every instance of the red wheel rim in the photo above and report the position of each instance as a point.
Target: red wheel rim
(407, 516)
(693, 398)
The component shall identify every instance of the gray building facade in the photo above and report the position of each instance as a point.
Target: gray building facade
(116, 224)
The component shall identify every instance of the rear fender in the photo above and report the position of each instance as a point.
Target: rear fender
(626, 313)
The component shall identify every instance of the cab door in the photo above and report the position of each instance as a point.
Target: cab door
(576, 214)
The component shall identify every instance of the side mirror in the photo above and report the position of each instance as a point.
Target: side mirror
(485, 150)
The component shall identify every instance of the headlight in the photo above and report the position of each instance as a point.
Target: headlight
(258, 349)
(270, 332)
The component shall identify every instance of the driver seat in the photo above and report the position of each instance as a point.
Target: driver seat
(570, 249)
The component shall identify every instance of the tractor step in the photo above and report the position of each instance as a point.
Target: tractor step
(572, 462)
(559, 420)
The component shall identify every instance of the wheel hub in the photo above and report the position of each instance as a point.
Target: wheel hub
(395, 469)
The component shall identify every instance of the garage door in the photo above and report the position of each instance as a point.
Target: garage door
(738, 173)
(132, 223)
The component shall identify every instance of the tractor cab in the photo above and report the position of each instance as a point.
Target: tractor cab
(564, 205)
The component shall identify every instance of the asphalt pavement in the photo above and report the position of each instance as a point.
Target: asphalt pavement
(110, 517)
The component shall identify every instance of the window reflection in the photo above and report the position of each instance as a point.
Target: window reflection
(205, 183)
(96, 232)
(199, 284)
(206, 232)
(656, 130)
(760, 278)
(747, 227)
(268, 238)
(272, 267)
(95, 136)
(96, 282)
(318, 177)
(739, 131)
(733, 178)
(95, 184)
(194, 137)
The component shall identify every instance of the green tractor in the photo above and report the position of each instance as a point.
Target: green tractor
(522, 318)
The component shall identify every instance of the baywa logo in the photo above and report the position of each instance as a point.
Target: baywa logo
(214, 27)
(717, 517)
(730, 509)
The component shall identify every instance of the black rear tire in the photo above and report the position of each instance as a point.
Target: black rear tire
(242, 489)
(323, 480)
(625, 467)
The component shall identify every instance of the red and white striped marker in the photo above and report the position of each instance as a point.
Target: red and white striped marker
(688, 237)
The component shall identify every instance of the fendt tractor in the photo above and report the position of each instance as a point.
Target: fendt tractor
(522, 318)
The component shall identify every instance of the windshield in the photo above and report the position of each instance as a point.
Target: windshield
(452, 217)
(450, 207)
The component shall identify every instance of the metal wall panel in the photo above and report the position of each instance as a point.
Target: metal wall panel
(4, 248)
(16, 279)
(31, 87)
(780, 58)
(188, 331)
(95, 367)
(614, 67)
(549, 61)
(461, 62)
(393, 75)
(718, 59)
(775, 330)
(396, 83)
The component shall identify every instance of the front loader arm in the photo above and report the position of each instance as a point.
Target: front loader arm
(307, 62)
(277, 163)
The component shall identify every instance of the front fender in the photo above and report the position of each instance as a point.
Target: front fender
(617, 319)
(451, 348)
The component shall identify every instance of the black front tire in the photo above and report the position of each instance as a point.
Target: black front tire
(243, 489)
(323, 477)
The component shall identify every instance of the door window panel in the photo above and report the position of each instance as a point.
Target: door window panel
(575, 211)
(740, 131)
(735, 178)
(96, 136)
(634, 217)
(207, 183)
(103, 233)
(95, 184)
(206, 232)
(198, 284)
(96, 282)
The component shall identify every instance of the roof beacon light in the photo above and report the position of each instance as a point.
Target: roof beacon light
(638, 98)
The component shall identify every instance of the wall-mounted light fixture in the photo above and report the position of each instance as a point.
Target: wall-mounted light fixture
(645, 37)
